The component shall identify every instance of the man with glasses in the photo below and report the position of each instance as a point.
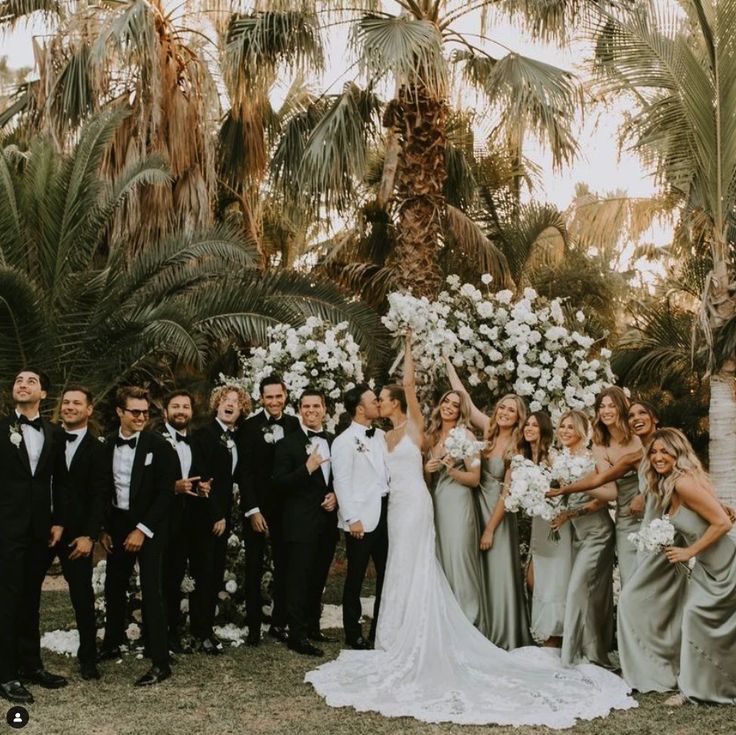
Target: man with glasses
(144, 474)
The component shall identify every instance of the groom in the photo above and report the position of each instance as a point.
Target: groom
(361, 485)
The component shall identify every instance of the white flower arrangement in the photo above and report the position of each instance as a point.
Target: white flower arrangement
(231, 586)
(16, 436)
(460, 446)
(568, 467)
(655, 537)
(527, 488)
(315, 354)
(521, 344)
(187, 584)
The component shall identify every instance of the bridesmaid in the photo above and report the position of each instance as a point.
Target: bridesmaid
(613, 439)
(682, 489)
(588, 625)
(505, 620)
(454, 505)
(548, 573)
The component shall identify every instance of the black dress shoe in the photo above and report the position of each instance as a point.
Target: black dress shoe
(14, 691)
(306, 648)
(278, 633)
(43, 678)
(109, 654)
(207, 645)
(89, 671)
(178, 647)
(153, 676)
(320, 637)
(360, 644)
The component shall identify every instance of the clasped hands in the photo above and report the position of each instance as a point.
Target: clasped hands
(186, 485)
(435, 463)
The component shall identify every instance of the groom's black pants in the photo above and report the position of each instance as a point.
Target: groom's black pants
(373, 545)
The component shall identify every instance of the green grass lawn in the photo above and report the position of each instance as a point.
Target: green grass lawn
(260, 691)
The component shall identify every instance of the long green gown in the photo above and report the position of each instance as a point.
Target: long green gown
(505, 620)
(708, 651)
(650, 618)
(626, 523)
(588, 627)
(458, 542)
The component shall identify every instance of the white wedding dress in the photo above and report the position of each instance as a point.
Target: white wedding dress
(430, 663)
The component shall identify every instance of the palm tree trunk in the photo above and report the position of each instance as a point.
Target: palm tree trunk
(722, 448)
(421, 123)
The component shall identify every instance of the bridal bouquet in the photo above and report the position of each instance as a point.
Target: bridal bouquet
(568, 467)
(461, 447)
(511, 343)
(656, 537)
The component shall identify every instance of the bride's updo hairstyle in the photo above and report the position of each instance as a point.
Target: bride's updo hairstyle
(601, 434)
(494, 430)
(686, 463)
(396, 393)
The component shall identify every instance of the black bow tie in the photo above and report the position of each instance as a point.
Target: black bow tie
(120, 442)
(320, 434)
(34, 423)
(274, 420)
(370, 432)
(182, 438)
(71, 437)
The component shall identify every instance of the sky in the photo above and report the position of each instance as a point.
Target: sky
(599, 164)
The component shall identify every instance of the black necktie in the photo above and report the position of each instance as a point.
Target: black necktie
(182, 438)
(320, 434)
(120, 442)
(274, 420)
(71, 437)
(34, 423)
(370, 432)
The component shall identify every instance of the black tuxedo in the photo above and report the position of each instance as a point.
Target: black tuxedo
(153, 476)
(310, 532)
(213, 460)
(257, 491)
(30, 502)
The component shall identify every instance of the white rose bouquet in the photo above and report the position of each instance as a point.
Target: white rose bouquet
(568, 468)
(655, 537)
(460, 446)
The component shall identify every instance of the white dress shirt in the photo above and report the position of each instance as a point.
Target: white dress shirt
(230, 431)
(323, 448)
(182, 449)
(71, 447)
(33, 439)
(122, 470)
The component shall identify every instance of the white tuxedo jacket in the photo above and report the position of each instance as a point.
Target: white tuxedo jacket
(360, 476)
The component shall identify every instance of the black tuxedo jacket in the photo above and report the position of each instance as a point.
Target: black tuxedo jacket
(302, 493)
(257, 464)
(87, 479)
(30, 503)
(151, 483)
(212, 459)
(178, 500)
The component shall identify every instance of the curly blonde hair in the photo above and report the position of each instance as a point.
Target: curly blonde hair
(679, 448)
(222, 390)
(493, 431)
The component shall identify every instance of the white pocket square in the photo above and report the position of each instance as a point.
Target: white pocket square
(149, 459)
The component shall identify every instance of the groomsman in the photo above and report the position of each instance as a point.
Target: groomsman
(262, 506)
(144, 472)
(302, 475)
(87, 477)
(178, 414)
(32, 516)
(361, 486)
(215, 454)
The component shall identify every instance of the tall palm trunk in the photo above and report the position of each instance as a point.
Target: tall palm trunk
(420, 122)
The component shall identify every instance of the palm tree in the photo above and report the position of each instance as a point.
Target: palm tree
(676, 63)
(74, 301)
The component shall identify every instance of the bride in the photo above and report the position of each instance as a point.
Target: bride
(429, 661)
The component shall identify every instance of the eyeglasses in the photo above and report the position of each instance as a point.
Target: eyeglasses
(136, 413)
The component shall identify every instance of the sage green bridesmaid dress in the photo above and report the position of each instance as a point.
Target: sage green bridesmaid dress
(588, 626)
(458, 542)
(708, 652)
(649, 618)
(552, 562)
(626, 523)
(505, 620)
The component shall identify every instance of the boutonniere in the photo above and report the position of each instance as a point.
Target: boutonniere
(269, 435)
(16, 436)
(360, 447)
(309, 446)
(226, 440)
(102, 440)
(169, 438)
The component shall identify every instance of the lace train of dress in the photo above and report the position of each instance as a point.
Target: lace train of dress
(430, 663)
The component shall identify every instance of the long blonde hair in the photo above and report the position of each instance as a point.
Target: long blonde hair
(686, 463)
(601, 433)
(434, 428)
(580, 422)
(493, 430)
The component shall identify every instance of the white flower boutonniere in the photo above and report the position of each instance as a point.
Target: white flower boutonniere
(360, 447)
(309, 447)
(16, 436)
(170, 439)
(269, 435)
(101, 439)
(226, 440)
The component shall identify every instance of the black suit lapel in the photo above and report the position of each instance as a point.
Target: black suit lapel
(139, 459)
(81, 450)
